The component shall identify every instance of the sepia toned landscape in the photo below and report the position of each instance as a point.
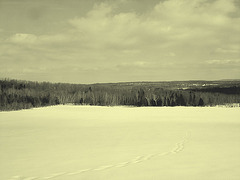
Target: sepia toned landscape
(119, 89)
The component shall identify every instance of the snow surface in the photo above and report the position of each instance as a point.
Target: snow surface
(120, 143)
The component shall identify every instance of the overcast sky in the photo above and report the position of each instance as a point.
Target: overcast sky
(91, 41)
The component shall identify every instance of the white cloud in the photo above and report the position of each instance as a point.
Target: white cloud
(177, 34)
(235, 50)
(100, 11)
(224, 61)
(170, 24)
(23, 38)
(173, 20)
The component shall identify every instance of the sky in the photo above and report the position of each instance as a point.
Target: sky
(96, 41)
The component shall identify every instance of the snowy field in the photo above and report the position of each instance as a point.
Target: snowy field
(120, 143)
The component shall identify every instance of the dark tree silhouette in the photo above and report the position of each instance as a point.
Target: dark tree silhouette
(16, 94)
(200, 103)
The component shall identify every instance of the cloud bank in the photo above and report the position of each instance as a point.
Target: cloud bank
(173, 40)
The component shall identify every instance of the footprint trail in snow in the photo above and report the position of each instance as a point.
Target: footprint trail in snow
(179, 146)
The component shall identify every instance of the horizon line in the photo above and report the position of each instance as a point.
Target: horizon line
(119, 82)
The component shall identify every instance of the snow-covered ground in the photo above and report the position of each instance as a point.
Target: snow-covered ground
(120, 143)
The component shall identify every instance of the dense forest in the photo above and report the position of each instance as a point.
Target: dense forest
(17, 94)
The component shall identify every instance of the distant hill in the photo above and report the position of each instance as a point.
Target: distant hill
(20, 94)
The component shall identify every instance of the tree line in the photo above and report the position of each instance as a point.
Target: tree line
(16, 94)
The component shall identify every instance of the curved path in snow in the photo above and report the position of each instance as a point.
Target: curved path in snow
(179, 146)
